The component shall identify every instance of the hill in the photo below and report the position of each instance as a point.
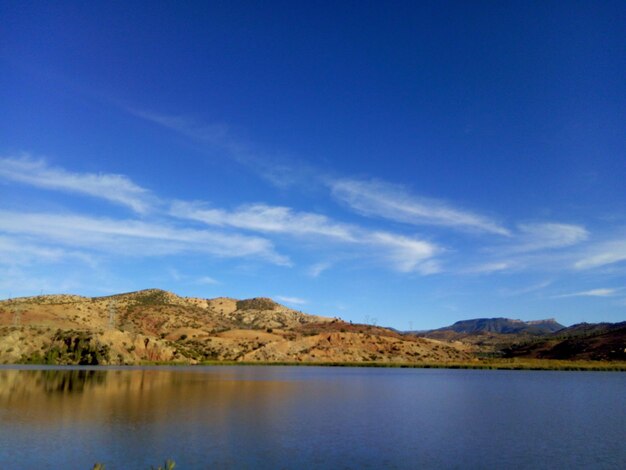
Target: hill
(490, 336)
(584, 341)
(156, 325)
(503, 326)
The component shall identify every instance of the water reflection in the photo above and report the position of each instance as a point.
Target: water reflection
(66, 382)
(13, 384)
(138, 396)
(264, 417)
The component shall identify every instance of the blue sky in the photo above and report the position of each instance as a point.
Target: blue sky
(408, 163)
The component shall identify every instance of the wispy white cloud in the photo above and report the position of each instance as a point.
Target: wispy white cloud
(526, 290)
(264, 218)
(291, 300)
(215, 134)
(382, 199)
(175, 274)
(317, 269)
(402, 252)
(549, 235)
(602, 292)
(111, 187)
(535, 246)
(488, 268)
(602, 254)
(218, 136)
(180, 277)
(134, 238)
(405, 253)
(206, 280)
(19, 251)
(15, 282)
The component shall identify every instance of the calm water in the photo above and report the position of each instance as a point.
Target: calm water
(309, 417)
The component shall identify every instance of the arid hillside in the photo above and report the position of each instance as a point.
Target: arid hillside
(584, 341)
(491, 336)
(158, 326)
(544, 339)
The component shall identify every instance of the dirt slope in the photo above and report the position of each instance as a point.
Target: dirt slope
(155, 325)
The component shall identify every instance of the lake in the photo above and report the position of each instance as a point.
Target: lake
(310, 417)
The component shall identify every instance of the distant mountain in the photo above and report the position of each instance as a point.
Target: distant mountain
(493, 335)
(504, 326)
(580, 330)
(599, 341)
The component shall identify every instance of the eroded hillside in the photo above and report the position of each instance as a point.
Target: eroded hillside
(158, 326)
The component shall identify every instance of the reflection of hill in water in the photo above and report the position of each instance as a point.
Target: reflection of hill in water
(71, 381)
(140, 395)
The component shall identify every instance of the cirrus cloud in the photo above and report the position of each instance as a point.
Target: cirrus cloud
(389, 201)
(601, 292)
(403, 253)
(134, 238)
(112, 187)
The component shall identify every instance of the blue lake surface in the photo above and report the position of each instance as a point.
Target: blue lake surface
(310, 417)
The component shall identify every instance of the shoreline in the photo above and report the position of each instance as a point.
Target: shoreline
(528, 365)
